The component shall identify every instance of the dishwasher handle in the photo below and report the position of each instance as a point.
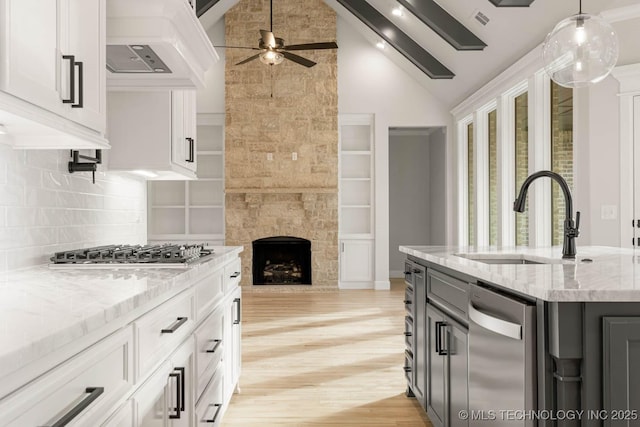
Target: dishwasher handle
(499, 326)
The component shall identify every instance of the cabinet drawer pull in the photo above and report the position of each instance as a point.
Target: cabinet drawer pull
(215, 347)
(215, 415)
(179, 322)
(80, 103)
(407, 369)
(94, 392)
(408, 302)
(439, 347)
(238, 311)
(234, 275)
(407, 334)
(177, 376)
(72, 79)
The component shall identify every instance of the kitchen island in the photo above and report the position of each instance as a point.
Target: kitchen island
(107, 343)
(507, 334)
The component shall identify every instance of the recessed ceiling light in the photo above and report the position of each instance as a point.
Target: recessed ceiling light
(397, 11)
(381, 44)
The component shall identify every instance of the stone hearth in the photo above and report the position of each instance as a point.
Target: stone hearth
(273, 112)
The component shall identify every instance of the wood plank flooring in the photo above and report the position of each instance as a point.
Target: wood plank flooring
(324, 359)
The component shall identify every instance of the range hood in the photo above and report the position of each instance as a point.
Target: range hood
(156, 43)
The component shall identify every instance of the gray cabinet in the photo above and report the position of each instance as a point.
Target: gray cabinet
(621, 368)
(415, 329)
(446, 370)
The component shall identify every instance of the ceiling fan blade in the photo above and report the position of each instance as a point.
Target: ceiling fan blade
(298, 59)
(312, 46)
(237, 47)
(249, 59)
(268, 39)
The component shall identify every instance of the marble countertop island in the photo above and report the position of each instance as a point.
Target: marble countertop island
(598, 274)
(42, 309)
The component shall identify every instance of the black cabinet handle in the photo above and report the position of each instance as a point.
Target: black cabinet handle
(439, 348)
(191, 150)
(94, 392)
(180, 321)
(215, 415)
(234, 275)
(215, 347)
(407, 301)
(177, 376)
(407, 334)
(72, 79)
(407, 369)
(238, 312)
(80, 103)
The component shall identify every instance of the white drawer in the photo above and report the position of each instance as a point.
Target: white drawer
(160, 331)
(232, 274)
(210, 409)
(209, 348)
(208, 292)
(84, 389)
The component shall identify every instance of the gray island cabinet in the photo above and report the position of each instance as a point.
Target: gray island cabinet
(521, 337)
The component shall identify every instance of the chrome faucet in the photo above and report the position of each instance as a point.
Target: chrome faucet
(571, 230)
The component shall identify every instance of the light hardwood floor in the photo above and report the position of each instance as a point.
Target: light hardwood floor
(324, 359)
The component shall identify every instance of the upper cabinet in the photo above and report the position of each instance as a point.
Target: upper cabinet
(153, 133)
(52, 73)
(156, 43)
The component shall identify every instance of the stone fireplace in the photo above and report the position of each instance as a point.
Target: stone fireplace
(281, 136)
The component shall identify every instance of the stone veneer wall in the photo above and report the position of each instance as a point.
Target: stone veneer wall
(282, 109)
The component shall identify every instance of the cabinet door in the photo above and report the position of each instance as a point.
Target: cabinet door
(151, 398)
(190, 129)
(458, 354)
(420, 333)
(436, 367)
(179, 145)
(356, 261)
(29, 51)
(236, 334)
(181, 390)
(621, 366)
(82, 33)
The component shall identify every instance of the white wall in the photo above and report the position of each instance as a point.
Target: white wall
(438, 184)
(368, 82)
(44, 209)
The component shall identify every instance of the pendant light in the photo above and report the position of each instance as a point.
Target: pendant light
(581, 50)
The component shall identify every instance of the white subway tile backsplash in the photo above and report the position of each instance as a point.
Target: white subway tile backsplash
(44, 209)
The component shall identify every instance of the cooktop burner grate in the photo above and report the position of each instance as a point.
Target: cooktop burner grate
(132, 254)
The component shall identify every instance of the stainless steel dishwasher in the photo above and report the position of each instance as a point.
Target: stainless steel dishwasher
(502, 359)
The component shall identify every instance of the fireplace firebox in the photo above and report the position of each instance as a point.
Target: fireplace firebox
(281, 260)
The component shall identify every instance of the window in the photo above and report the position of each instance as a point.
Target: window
(561, 154)
(521, 107)
(493, 176)
(471, 207)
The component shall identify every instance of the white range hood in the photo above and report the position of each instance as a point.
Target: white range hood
(156, 43)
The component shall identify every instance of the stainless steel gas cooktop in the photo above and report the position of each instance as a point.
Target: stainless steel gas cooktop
(132, 256)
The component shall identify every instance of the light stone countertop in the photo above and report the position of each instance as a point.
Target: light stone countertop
(613, 276)
(43, 309)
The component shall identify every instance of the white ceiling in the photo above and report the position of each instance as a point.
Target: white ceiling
(509, 35)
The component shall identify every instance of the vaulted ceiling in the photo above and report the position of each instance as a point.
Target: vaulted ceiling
(441, 43)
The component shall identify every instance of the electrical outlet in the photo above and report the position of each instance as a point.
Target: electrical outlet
(269, 156)
(294, 156)
(608, 212)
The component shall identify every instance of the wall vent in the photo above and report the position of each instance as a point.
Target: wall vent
(481, 18)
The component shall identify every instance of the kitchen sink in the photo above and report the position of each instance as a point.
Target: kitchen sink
(512, 259)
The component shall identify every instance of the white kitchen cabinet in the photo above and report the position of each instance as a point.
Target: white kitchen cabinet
(356, 263)
(356, 195)
(232, 338)
(153, 133)
(123, 417)
(52, 56)
(193, 211)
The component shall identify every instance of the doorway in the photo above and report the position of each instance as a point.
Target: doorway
(417, 190)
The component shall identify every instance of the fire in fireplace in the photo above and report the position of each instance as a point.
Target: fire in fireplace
(281, 260)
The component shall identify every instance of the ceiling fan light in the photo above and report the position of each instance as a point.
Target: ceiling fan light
(581, 50)
(271, 57)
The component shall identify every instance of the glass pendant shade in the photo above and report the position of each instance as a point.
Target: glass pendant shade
(581, 50)
(271, 57)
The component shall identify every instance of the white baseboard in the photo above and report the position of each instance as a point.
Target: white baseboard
(382, 285)
(355, 285)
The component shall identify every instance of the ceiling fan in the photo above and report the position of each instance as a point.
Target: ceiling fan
(273, 49)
